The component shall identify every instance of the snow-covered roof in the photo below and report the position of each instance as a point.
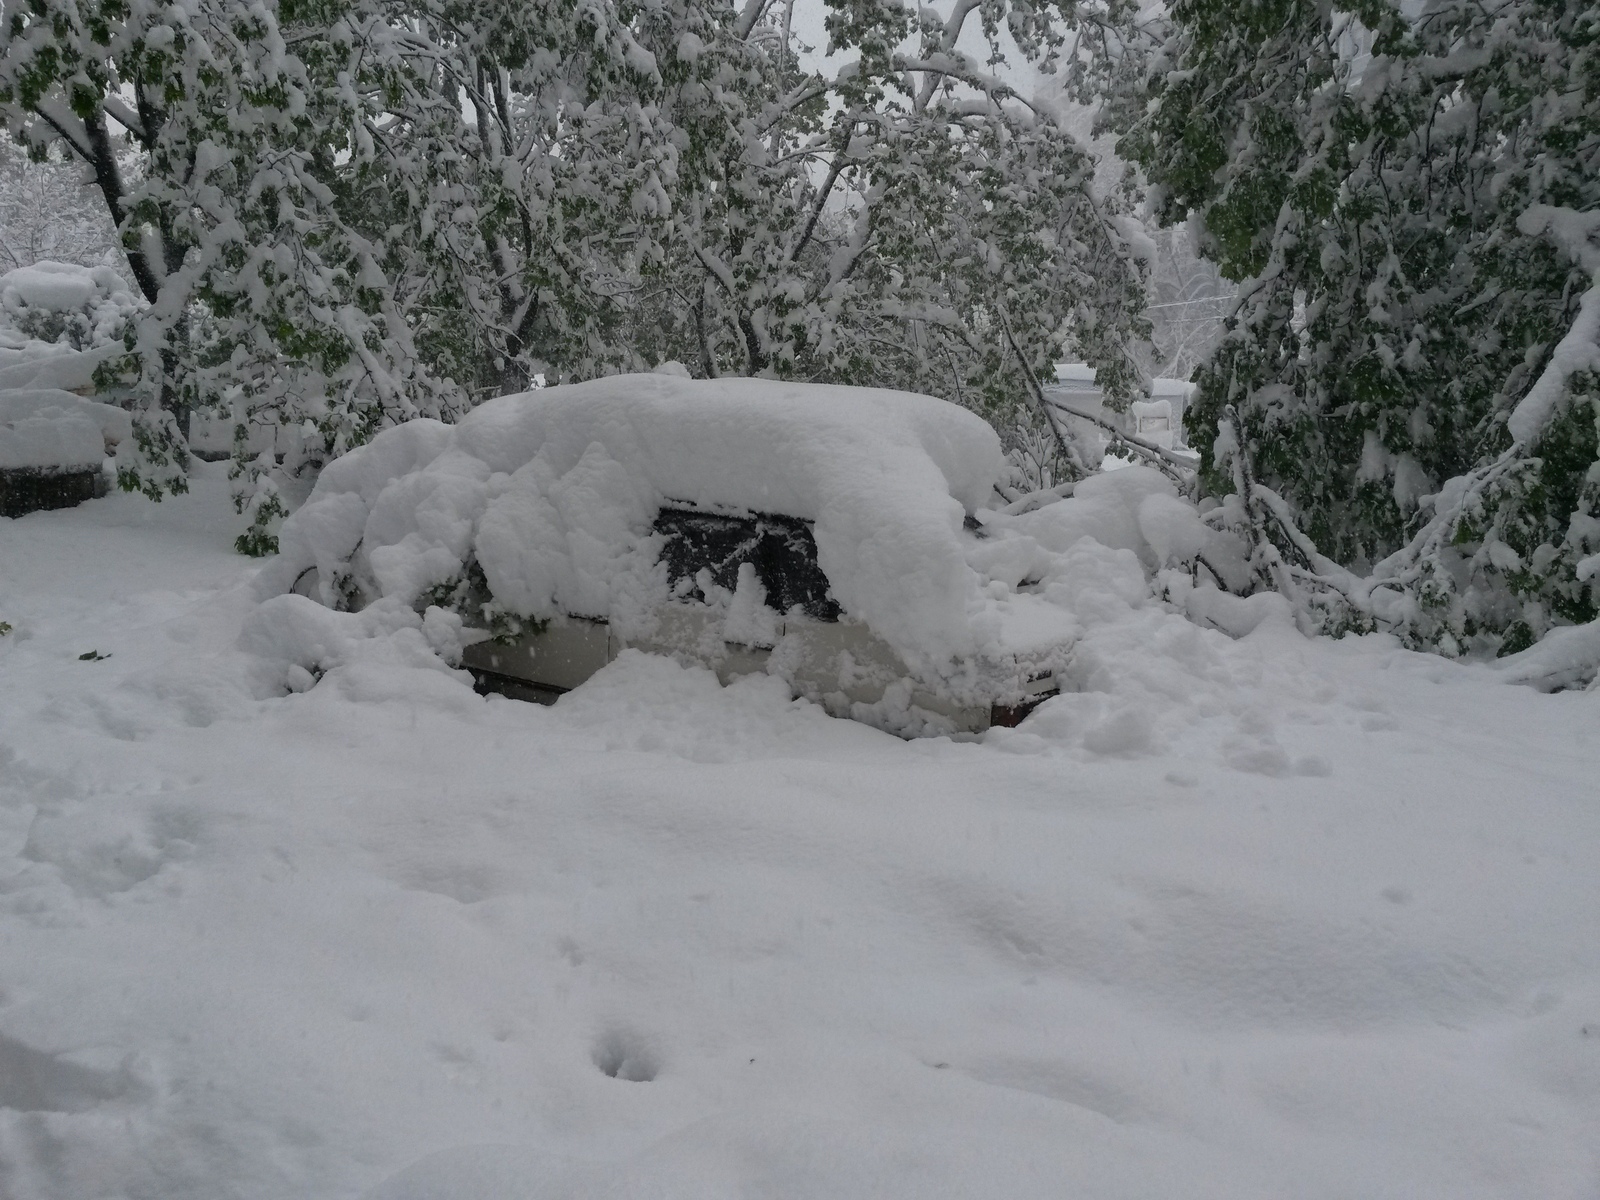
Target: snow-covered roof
(1172, 388)
(1076, 376)
(1151, 408)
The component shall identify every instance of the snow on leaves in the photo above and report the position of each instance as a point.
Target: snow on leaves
(351, 212)
(1395, 190)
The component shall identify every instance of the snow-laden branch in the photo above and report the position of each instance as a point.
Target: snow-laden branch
(1578, 350)
(959, 68)
(748, 16)
(126, 117)
(949, 37)
(1174, 467)
(67, 124)
(1067, 452)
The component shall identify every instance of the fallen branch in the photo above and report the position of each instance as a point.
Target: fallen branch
(1174, 467)
(1071, 459)
(1307, 571)
(1033, 500)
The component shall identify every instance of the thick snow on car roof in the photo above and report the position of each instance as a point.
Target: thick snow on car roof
(757, 444)
(554, 491)
(49, 428)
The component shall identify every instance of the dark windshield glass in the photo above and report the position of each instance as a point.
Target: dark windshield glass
(781, 549)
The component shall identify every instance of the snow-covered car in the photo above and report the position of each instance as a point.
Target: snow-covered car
(58, 323)
(53, 447)
(741, 586)
(829, 536)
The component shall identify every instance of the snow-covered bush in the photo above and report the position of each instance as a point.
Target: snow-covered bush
(81, 307)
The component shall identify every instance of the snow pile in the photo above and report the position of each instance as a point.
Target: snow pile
(1120, 536)
(1564, 658)
(82, 307)
(298, 642)
(50, 428)
(28, 363)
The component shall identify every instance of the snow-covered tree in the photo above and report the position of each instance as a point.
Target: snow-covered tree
(350, 212)
(512, 158)
(576, 190)
(909, 220)
(1396, 193)
(1187, 298)
(1188, 303)
(261, 296)
(50, 211)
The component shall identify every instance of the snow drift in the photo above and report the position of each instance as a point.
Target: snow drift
(1268, 917)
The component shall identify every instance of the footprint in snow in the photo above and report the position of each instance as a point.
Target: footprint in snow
(33, 1080)
(623, 1054)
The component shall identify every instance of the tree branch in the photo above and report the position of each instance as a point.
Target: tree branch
(1037, 392)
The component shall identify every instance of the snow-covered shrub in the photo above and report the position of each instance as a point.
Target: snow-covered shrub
(81, 307)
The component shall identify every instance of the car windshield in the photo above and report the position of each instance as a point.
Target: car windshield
(781, 549)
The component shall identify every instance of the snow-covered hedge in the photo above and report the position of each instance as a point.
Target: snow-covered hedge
(58, 323)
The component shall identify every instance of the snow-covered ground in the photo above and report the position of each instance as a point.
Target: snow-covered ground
(1254, 918)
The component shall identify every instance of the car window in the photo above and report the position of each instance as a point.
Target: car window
(782, 550)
